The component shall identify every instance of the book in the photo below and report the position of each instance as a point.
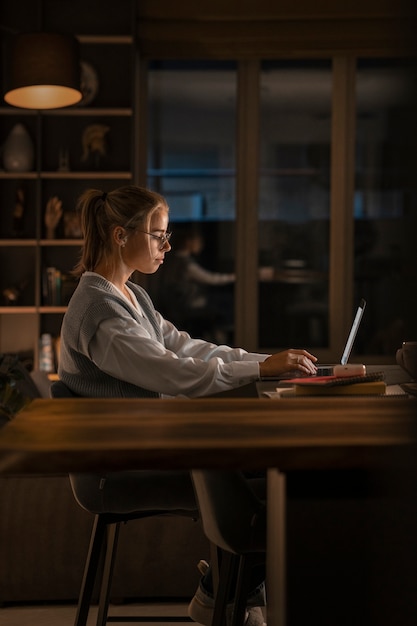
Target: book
(334, 381)
(52, 286)
(367, 384)
(371, 388)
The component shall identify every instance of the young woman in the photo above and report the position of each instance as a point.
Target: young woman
(115, 344)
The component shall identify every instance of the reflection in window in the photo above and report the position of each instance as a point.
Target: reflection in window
(191, 161)
(385, 205)
(294, 203)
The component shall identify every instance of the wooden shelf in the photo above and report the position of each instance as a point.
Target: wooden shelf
(76, 111)
(85, 175)
(113, 58)
(18, 175)
(18, 243)
(13, 310)
(90, 112)
(60, 242)
(52, 309)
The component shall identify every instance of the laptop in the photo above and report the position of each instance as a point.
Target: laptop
(327, 370)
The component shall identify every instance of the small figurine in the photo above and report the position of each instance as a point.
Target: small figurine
(63, 162)
(53, 214)
(13, 292)
(93, 141)
(18, 212)
(72, 225)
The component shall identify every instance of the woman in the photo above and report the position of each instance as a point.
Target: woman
(115, 344)
(113, 341)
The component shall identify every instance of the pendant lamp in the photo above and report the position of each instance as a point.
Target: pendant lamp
(42, 71)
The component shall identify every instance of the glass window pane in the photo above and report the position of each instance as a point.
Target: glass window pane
(191, 161)
(294, 211)
(385, 205)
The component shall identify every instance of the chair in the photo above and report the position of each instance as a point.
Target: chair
(104, 536)
(234, 520)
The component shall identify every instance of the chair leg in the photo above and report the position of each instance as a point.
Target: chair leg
(228, 570)
(90, 571)
(215, 559)
(104, 531)
(236, 570)
(242, 591)
(111, 549)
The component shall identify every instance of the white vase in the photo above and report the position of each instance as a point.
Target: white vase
(18, 151)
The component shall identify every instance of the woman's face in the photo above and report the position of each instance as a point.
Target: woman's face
(142, 251)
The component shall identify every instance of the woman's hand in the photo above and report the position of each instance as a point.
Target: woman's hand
(289, 360)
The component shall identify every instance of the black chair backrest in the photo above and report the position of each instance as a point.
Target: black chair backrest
(60, 390)
(233, 517)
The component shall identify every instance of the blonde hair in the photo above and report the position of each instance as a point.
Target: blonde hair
(128, 207)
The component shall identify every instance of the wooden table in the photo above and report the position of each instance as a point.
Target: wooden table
(82, 434)
(77, 435)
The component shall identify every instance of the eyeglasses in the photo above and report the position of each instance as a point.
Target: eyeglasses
(163, 239)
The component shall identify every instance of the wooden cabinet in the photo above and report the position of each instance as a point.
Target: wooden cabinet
(35, 269)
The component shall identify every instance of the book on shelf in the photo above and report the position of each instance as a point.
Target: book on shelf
(52, 286)
(57, 287)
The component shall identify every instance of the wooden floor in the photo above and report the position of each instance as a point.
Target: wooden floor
(61, 615)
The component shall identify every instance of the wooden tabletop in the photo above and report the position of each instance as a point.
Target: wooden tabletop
(69, 435)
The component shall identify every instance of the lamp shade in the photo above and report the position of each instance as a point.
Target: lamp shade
(43, 71)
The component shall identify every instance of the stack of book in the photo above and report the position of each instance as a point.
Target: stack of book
(368, 384)
(57, 287)
(52, 287)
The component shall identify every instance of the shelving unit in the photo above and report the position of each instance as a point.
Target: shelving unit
(26, 309)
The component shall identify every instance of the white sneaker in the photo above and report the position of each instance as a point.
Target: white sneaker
(201, 607)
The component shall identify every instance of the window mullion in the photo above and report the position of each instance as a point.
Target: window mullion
(341, 201)
(247, 185)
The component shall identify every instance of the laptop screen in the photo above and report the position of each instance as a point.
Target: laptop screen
(353, 331)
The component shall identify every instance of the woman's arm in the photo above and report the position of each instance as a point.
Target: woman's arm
(124, 349)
